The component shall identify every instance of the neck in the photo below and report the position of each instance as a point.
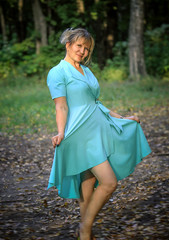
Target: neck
(73, 63)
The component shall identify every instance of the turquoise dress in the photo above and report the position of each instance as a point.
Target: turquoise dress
(92, 136)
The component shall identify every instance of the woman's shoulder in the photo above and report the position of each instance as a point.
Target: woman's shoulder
(56, 74)
(56, 69)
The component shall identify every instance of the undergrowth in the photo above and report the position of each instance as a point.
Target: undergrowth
(26, 105)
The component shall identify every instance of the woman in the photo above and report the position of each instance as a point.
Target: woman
(94, 147)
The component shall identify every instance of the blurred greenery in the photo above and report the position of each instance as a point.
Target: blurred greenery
(156, 54)
(25, 100)
(19, 59)
(26, 107)
(18, 53)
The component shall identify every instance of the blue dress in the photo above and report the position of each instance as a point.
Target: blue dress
(92, 136)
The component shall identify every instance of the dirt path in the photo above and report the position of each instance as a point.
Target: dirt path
(139, 208)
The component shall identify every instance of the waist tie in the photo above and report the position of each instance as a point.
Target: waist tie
(113, 121)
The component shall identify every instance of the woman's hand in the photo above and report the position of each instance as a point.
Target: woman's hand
(133, 118)
(56, 140)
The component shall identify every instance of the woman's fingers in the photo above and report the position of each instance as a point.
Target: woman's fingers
(56, 140)
(53, 142)
(137, 119)
(134, 118)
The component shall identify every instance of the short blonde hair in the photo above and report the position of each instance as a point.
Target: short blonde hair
(72, 35)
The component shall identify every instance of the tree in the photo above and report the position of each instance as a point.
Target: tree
(80, 6)
(101, 18)
(40, 25)
(136, 54)
(21, 25)
(3, 26)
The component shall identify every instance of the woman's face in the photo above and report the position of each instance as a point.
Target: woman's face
(78, 50)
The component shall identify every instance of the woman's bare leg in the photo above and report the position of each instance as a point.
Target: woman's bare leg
(107, 185)
(87, 188)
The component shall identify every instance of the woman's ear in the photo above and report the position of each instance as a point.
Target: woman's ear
(67, 45)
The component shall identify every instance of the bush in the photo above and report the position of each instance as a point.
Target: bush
(116, 69)
(156, 51)
(12, 55)
(20, 58)
(111, 73)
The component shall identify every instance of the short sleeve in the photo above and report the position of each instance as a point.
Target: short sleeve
(56, 83)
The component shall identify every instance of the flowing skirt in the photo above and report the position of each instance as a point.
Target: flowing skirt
(98, 139)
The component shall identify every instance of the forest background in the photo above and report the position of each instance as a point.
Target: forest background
(29, 47)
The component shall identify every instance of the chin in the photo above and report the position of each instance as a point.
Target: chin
(79, 60)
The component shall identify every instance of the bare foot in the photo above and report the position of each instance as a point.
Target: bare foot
(77, 235)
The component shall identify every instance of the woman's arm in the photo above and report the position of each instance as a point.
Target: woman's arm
(61, 118)
(113, 114)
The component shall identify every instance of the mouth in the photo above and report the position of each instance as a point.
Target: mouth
(80, 56)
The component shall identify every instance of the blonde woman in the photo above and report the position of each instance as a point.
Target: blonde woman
(94, 147)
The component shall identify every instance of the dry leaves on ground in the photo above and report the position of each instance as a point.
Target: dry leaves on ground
(139, 208)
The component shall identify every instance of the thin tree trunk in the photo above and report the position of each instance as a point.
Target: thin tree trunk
(21, 29)
(40, 25)
(3, 26)
(80, 6)
(111, 28)
(136, 52)
(100, 25)
(50, 29)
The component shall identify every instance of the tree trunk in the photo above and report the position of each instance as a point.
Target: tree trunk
(49, 27)
(99, 25)
(3, 26)
(136, 51)
(40, 25)
(111, 28)
(21, 27)
(80, 6)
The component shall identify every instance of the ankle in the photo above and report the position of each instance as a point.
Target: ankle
(85, 227)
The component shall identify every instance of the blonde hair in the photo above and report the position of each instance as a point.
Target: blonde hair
(72, 35)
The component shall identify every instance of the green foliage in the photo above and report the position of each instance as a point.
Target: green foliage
(64, 15)
(112, 73)
(117, 68)
(40, 64)
(120, 51)
(26, 108)
(156, 51)
(12, 56)
(15, 53)
(134, 96)
(20, 59)
(26, 105)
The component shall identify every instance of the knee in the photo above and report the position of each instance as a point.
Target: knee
(110, 187)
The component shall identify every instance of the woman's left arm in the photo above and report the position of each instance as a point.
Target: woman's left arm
(135, 118)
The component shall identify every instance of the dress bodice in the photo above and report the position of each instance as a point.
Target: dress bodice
(82, 92)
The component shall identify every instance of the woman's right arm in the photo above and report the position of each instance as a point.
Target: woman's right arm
(61, 118)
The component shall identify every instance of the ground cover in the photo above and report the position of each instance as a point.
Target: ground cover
(137, 210)
(139, 207)
(26, 105)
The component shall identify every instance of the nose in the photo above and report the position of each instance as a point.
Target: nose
(82, 50)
